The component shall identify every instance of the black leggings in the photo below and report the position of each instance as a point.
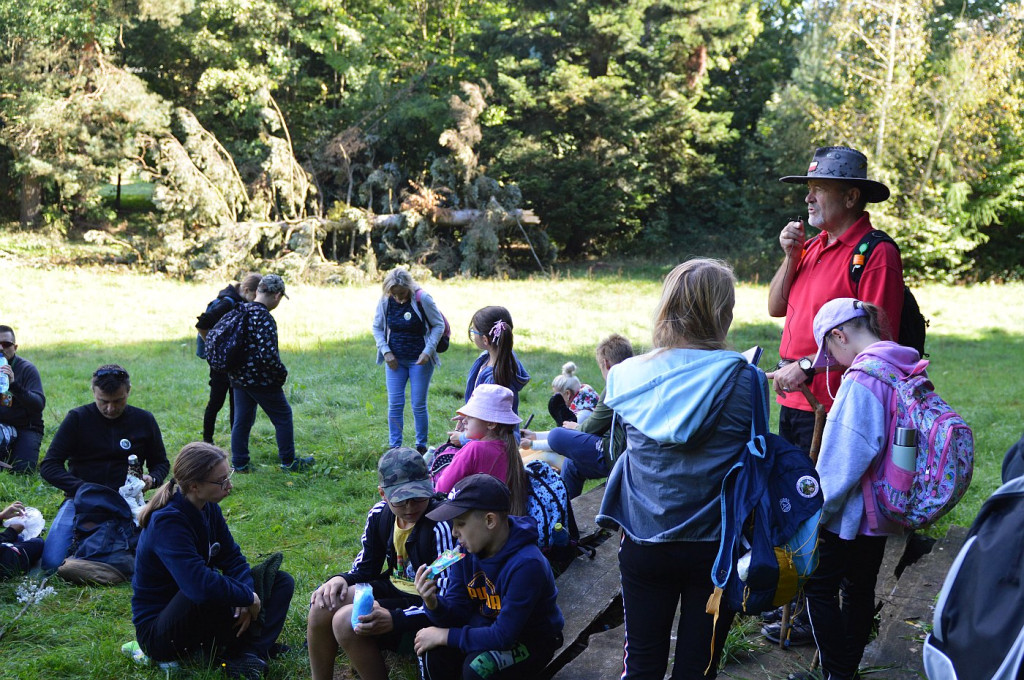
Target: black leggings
(184, 627)
(657, 579)
(220, 390)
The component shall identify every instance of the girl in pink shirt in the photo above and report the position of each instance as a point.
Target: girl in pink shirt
(492, 449)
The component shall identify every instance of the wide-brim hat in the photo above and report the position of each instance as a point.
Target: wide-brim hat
(846, 165)
(492, 404)
(476, 492)
(402, 475)
(832, 314)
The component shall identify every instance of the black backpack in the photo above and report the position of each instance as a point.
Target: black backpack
(225, 343)
(978, 631)
(218, 307)
(913, 325)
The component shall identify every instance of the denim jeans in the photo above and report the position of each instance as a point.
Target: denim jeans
(584, 458)
(58, 538)
(275, 405)
(419, 378)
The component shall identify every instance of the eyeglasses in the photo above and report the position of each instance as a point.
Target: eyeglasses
(402, 504)
(5, 344)
(116, 372)
(223, 484)
(473, 331)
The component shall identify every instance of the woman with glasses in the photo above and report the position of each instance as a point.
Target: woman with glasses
(194, 591)
(407, 327)
(398, 538)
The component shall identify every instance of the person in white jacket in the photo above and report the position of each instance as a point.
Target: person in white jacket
(856, 438)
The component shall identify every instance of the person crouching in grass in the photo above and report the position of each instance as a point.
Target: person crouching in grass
(396, 541)
(499, 617)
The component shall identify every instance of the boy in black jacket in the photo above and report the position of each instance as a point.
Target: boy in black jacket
(398, 610)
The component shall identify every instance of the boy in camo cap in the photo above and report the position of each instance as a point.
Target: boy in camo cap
(398, 538)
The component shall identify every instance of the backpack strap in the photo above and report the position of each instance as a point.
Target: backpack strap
(862, 251)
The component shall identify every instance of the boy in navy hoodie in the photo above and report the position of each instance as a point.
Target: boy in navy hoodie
(499, 617)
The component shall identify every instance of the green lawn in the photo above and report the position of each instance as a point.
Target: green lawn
(70, 321)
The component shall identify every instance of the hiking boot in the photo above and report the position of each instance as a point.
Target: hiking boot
(242, 469)
(246, 665)
(299, 464)
(799, 633)
(773, 616)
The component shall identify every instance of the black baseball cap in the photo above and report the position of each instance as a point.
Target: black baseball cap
(476, 492)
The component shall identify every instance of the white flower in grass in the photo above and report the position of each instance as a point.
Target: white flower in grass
(31, 592)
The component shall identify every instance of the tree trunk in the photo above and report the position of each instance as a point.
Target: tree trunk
(31, 199)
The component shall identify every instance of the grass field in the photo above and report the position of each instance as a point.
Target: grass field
(68, 322)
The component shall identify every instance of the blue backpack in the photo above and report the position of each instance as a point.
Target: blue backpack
(225, 343)
(771, 504)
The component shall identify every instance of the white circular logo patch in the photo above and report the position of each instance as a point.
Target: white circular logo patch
(125, 444)
(807, 486)
(785, 504)
(407, 316)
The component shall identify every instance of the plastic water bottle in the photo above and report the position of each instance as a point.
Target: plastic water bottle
(559, 536)
(362, 602)
(5, 382)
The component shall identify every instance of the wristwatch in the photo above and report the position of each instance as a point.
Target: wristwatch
(805, 366)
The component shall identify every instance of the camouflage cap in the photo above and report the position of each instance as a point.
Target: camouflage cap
(272, 283)
(402, 474)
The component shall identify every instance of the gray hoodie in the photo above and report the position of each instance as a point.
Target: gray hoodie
(856, 435)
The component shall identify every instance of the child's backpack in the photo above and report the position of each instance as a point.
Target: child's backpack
(549, 506)
(978, 631)
(103, 544)
(225, 342)
(945, 452)
(771, 505)
(218, 307)
(446, 336)
(913, 325)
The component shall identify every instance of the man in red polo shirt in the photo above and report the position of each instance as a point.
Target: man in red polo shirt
(814, 271)
(817, 269)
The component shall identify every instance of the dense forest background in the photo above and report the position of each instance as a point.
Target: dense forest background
(334, 137)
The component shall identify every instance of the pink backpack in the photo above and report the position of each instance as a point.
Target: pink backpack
(945, 452)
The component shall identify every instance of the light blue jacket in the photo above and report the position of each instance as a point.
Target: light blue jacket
(426, 309)
(686, 414)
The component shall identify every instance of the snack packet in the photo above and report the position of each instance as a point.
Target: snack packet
(445, 560)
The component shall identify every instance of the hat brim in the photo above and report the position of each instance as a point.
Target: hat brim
(420, 488)
(823, 359)
(509, 418)
(873, 191)
(447, 511)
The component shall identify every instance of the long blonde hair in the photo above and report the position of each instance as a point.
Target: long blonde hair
(696, 305)
(192, 465)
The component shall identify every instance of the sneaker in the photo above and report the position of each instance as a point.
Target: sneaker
(247, 666)
(299, 464)
(242, 469)
(773, 616)
(799, 633)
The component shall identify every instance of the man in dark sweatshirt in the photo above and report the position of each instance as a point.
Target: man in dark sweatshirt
(499, 617)
(92, 445)
(21, 408)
